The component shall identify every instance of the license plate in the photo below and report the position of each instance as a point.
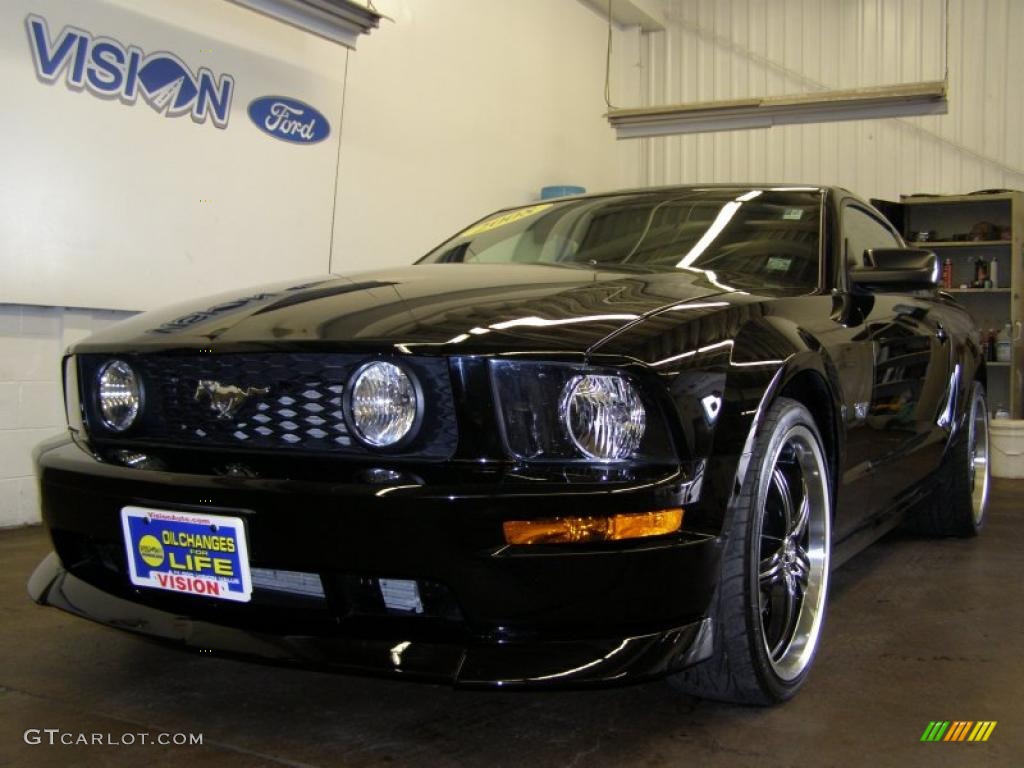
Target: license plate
(191, 553)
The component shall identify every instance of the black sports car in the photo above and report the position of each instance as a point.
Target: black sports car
(595, 439)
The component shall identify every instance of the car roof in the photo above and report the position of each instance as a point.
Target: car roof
(696, 187)
(836, 191)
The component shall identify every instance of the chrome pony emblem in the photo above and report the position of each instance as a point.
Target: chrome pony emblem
(225, 400)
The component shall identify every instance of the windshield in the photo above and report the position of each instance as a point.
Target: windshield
(749, 238)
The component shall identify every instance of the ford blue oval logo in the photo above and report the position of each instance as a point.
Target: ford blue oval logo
(289, 119)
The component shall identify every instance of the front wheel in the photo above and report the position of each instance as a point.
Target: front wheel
(769, 606)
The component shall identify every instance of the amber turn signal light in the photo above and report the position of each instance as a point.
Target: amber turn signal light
(577, 530)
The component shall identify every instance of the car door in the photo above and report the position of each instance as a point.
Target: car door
(895, 438)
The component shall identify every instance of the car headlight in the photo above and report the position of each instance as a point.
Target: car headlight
(572, 412)
(119, 395)
(383, 404)
(604, 416)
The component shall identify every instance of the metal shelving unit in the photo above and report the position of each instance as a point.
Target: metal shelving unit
(949, 220)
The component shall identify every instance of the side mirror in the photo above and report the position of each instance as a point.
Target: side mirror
(897, 270)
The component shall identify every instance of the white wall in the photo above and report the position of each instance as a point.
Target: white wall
(725, 49)
(460, 107)
(118, 205)
(32, 340)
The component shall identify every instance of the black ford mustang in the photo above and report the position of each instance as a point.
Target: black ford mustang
(590, 440)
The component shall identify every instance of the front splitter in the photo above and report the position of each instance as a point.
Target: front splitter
(483, 664)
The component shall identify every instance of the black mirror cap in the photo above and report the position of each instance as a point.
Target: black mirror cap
(897, 270)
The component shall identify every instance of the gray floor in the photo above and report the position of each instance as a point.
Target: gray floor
(918, 631)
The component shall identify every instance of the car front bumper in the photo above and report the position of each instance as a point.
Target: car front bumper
(493, 615)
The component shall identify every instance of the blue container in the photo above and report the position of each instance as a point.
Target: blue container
(560, 191)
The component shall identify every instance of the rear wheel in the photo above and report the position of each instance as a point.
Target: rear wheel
(960, 501)
(770, 602)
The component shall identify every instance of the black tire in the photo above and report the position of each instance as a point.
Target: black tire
(743, 669)
(958, 505)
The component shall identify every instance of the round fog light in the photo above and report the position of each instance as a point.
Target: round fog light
(119, 394)
(383, 404)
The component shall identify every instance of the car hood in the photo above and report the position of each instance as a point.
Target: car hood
(422, 309)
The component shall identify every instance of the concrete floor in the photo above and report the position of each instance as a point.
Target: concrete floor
(917, 631)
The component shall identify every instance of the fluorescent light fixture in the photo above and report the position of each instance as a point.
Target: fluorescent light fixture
(340, 21)
(649, 15)
(820, 107)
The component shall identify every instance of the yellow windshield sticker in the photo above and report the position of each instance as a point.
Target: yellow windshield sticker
(506, 218)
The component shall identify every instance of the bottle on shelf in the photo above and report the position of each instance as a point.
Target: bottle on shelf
(980, 273)
(947, 273)
(993, 272)
(1003, 345)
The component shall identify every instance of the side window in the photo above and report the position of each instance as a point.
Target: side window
(862, 231)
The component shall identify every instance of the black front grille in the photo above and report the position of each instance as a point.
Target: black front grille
(292, 401)
(302, 404)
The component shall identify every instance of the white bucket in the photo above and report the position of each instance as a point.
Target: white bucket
(1007, 447)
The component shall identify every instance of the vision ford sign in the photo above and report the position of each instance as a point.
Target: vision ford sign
(289, 119)
(109, 69)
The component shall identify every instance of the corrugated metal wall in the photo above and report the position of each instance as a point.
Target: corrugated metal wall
(722, 49)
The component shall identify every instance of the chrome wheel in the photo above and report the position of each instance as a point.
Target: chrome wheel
(794, 547)
(769, 605)
(977, 457)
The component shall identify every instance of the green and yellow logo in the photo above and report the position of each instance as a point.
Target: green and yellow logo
(958, 730)
(151, 550)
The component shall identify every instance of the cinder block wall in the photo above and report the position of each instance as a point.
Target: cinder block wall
(32, 341)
